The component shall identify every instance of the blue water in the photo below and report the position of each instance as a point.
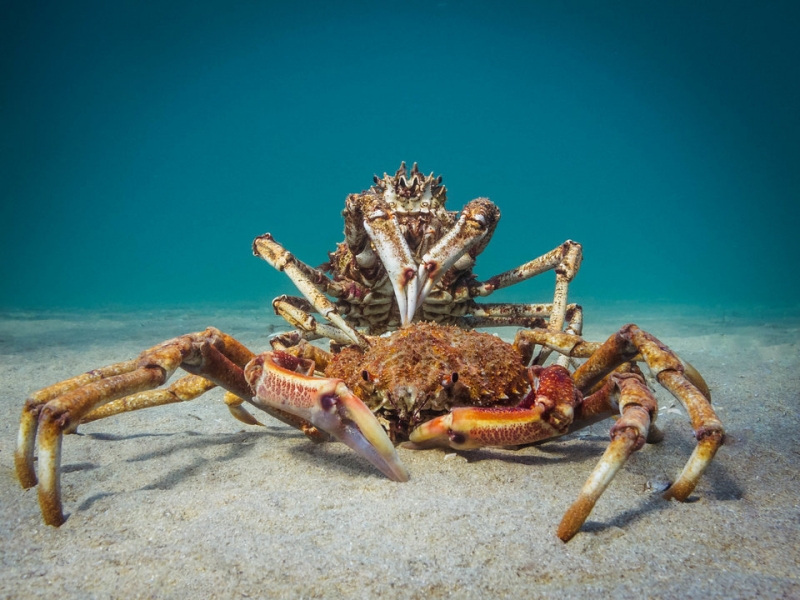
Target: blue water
(144, 145)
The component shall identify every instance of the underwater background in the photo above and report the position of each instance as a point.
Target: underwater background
(144, 145)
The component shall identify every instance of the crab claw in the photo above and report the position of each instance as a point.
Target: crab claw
(404, 282)
(384, 231)
(465, 428)
(279, 382)
(477, 221)
(443, 432)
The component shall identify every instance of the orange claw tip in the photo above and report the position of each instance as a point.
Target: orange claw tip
(434, 433)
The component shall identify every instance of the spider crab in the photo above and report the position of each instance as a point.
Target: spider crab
(404, 270)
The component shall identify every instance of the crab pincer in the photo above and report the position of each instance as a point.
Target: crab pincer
(546, 412)
(285, 383)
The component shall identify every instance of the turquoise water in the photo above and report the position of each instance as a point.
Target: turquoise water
(142, 148)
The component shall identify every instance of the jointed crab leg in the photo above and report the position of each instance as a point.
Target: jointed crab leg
(565, 260)
(523, 315)
(296, 311)
(283, 381)
(574, 346)
(184, 389)
(678, 376)
(283, 260)
(684, 384)
(61, 407)
(638, 408)
(29, 423)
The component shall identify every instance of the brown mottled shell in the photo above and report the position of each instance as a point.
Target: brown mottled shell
(408, 376)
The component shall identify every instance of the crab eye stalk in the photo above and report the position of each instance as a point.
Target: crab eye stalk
(449, 380)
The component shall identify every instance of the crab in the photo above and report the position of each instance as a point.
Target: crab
(406, 364)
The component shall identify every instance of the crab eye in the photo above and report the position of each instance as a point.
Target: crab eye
(449, 380)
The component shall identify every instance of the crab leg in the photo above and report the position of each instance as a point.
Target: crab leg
(282, 381)
(564, 260)
(283, 260)
(184, 389)
(615, 353)
(29, 423)
(296, 312)
(530, 316)
(59, 408)
(638, 408)
(678, 376)
(685, 384)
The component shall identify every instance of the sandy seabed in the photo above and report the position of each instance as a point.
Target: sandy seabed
(183, 501)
